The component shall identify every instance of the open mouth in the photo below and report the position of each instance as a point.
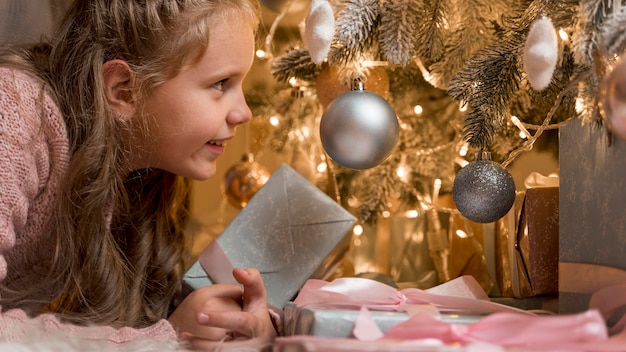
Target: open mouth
(217, 143)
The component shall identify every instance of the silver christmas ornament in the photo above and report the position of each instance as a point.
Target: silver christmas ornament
(483, 191)
(359, 129)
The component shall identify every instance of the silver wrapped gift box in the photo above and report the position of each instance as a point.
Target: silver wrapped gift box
(339, 323)
(290, 231)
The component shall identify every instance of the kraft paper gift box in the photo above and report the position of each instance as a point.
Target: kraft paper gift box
(593, 213)
(527, 241)
(290, 231)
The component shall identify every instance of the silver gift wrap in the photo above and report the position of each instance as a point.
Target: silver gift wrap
(339, 323)
(290, 231)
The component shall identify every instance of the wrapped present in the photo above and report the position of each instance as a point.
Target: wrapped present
(290, 231)
(592, 242)
(331, 309)
(339, 323)
(527, 241)
(504, 331)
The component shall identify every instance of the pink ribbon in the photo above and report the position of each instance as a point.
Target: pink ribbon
(569, 332)
(460, 294)
(504, 327)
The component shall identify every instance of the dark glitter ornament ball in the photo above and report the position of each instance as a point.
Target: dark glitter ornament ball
(483, 191)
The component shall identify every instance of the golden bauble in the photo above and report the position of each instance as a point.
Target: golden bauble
(243, 180)
(329, 85)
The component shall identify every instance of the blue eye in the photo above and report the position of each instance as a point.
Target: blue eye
(220, 85)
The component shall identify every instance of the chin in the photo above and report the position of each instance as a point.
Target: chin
(201, 175)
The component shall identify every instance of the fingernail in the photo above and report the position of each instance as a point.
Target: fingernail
(203, 318)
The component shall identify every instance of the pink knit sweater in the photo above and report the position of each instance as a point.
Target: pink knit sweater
(33, 161)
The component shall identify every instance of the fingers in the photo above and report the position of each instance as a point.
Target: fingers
(219, 290)
(254, 294)
(243, 323)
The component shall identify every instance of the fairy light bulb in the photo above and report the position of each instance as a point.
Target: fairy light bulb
(461, 234)
(436, 190)
(412, 214)
(274, 121)
(402, 171)
(357, 230)
(523, 131)
(464, 149)
(418, 109)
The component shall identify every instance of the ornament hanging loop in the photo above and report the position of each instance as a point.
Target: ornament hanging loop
(483, 155)
(357, 84)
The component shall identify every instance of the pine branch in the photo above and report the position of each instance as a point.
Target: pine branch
(588, 26)
(535, 9)
(356, 21)
(378, 185)
(596, 11)
(486, 86)
(432, 31)
(613, 36)
(295, 63)
(367, 49)
(479, 129)
(399, 26)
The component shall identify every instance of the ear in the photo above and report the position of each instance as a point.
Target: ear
(119, 83)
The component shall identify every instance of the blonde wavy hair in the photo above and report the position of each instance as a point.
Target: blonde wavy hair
(121, 242)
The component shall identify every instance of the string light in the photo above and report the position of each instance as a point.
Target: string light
(412, 214)
(580, 105)
(425, 73)
(563, 34)
(260, 53)
(357, 230)
(274, 121)
(523, 131)
(402, 171)
(461, 234)
(460, 161)
(418, 109)
(436, 189)
(464, 149)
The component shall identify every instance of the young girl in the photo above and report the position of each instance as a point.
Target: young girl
(100, 130)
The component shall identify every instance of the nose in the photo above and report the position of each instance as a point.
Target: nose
(239, 115)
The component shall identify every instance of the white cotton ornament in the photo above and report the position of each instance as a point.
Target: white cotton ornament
(541, 53)
(319, 30)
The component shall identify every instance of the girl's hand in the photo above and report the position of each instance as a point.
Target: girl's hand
(251, 326)
(213, 298)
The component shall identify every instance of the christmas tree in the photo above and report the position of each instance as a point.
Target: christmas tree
(463, 77)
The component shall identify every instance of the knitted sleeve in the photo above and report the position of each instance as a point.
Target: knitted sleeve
(20, 167)
(33, 161)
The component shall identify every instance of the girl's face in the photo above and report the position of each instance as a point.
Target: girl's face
(194, 114)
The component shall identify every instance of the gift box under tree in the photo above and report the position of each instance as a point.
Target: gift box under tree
(290, 231)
